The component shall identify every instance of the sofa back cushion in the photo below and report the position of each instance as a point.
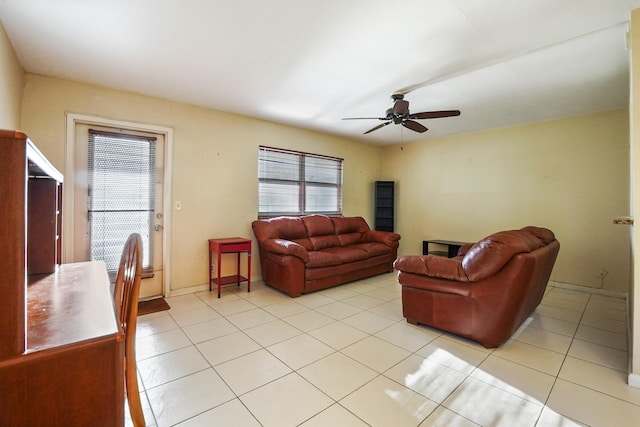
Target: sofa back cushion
(313, 232)
(490, 254)
(350, 230)
(320, 231)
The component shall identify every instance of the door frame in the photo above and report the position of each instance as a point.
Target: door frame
(72, 119)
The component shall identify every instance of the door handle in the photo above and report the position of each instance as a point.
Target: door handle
(158, 227)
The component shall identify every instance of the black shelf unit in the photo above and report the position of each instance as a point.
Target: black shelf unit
(384, 205)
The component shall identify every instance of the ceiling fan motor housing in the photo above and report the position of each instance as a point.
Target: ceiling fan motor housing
(401, 108)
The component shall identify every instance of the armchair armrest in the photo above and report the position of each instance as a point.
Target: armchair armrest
(286, 247)
(432, 266)
(386, 237)
(464, 249)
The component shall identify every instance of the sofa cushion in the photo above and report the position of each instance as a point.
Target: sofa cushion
(323, 259)
(355, 224)
(372, 248)
(318, 225)
(320, 231)
(349, 239)
(336, 271)
(348, 253)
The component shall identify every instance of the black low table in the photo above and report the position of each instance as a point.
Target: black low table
(452, 247)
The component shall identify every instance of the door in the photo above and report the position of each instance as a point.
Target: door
(118, 191)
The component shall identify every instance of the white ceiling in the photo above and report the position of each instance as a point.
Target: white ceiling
(311, 63)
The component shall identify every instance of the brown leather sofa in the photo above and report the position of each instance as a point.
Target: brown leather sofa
(308, 253)
(484, 293)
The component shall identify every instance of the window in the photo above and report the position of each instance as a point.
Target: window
(121, 183)
(295, 183)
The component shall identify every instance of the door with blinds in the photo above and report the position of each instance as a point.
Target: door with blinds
(118, 191)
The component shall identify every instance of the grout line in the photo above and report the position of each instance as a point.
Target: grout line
(587, 289)
(564, 359)
(338, 297)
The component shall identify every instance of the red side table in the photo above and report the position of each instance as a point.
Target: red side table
(230, 245)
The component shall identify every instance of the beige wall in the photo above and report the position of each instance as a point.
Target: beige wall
(569, 175)
(215, 157)
(11, 84)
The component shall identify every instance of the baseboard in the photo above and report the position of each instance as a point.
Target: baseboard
(202, 287)
(634, 380)
(581, 288)
(189, 290)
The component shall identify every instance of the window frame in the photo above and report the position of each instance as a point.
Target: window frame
(301, 183)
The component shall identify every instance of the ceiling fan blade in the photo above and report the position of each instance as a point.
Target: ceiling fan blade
(435, 114)
(415, 126)
(378, 127)
(364, 118)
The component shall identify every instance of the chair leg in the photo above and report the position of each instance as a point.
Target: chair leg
(133, 392)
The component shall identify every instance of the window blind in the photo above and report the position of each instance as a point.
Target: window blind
(296, 183)
(121, 194)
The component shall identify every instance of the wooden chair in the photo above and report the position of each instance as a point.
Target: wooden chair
(126, 292)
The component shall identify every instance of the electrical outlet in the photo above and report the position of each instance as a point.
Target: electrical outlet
(178, 205)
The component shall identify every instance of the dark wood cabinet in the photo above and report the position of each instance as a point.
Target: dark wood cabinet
(384, 200)
(61, 347)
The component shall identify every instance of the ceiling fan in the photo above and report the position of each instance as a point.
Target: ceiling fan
(399, 114)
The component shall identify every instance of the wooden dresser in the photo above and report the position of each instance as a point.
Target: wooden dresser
(61, 348)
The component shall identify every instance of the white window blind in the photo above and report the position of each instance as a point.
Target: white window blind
(296, 183)
(121, 194)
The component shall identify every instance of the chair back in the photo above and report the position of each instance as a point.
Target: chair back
(127, 287)
(126, 292)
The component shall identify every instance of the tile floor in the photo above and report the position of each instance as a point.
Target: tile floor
(346, 357)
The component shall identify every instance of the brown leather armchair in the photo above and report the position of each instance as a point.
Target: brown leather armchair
(484, 293)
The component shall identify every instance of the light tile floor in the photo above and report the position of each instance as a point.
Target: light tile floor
(345, 356)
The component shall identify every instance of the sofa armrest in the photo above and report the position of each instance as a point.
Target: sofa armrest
(432, 266)
(286, 247)
(386, 237)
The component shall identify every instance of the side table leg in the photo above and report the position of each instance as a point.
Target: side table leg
(219, 268)
(210, 267)
(238, 267)
(249, 270)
